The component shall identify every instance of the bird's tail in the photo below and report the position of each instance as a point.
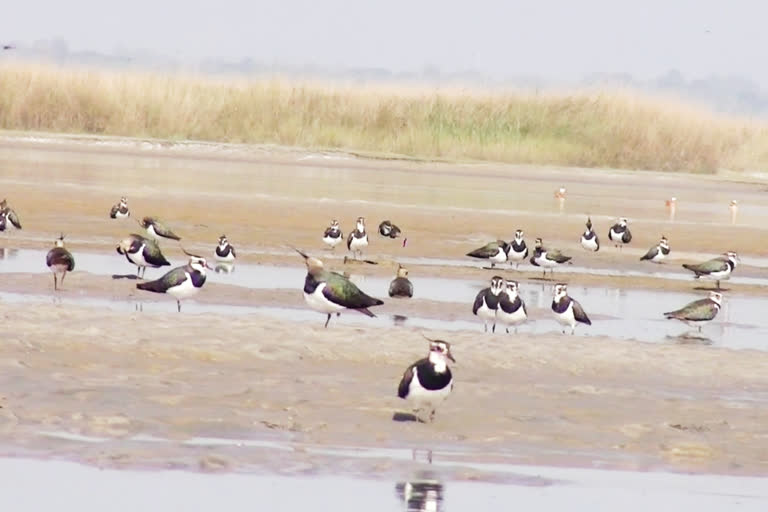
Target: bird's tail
(366, 311)
(151, 286)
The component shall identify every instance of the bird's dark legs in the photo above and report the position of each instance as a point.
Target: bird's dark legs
(328, 320)
(485, 326)
(55, 282)
(432, 416)
(178, 305)
(493, 329)
(62, 278)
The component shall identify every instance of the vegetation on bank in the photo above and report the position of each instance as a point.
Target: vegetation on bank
(617, 129)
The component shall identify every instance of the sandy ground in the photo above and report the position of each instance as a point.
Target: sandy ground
(530, 399)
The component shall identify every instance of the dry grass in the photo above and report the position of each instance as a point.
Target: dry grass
(593, 129)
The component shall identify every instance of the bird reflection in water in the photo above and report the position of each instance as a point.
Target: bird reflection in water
(7, 254)
(224, 268)
(423, 492)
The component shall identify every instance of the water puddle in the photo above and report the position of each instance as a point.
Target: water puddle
(616, 312)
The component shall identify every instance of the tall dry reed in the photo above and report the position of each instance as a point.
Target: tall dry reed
(594, 129)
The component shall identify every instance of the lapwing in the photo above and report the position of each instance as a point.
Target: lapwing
(698, 311)
(181, 282)
(332, 236)
(518, 250)
(495, 252)
(658, 252)
(225, 251)
(330, 292)
(142, 252)
(717, 269)
(511, 309)
(120, 210)
(733, 207)
(60, 261)
(567, 311)
(547, 259)
(560, 196)
(487, 302)
(671, 205)
(428, 382)
(619, 233)
(157, 229)
(8, 214)
(386, 228)
(589, 240)
(401, 286)
(358, 239)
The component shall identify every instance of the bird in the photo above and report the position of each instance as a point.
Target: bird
(511, 310)
(157, 229)
(142, 252)
(567, 311)
(330, 292)
(332, 236)
(547, 259)
(60, 261)
(358, 239)
(718, 269)
(671, 205)
(698, 311)
(487, 302)
(181, 282)
(401, 286)
(734, 208)
(225, 252)
(120, 210)
(517, 250)
(560, 196)
(658, 252)
(8, 47)
(495, 252)
(589, 240)
(386, 228)
(7, 214)
(619, 233)
(428, 382)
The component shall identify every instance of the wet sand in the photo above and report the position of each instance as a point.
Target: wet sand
(531, 399)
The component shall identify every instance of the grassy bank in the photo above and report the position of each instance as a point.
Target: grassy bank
(591, 129)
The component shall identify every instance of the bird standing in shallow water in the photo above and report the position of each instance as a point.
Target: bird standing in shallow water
(358, 239)
(487, 302)
(332, 236)
(517, 250)
(698, 311)
(181, 282)
(428, 382)
(511, 310)
(589, 240)
(717, 269)
(547, 259)
(225, 252)
(619, 233)
(658, 252)
(142, 252)
(401, 286)
(60, 261)
(495, 252)
(329, 292)
(567, 311)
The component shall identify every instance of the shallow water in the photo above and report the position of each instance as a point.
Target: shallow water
(89, 489)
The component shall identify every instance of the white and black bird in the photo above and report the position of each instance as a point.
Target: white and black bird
(495, 252)
(717, 269)
(386, 228)
(8, 214)
(358, 238)
(120, 210)
(589, 240)
(619, 233)
(428, 382)
(518, 250)
(511, 310)
(157, 229)
(487, 302)
(60, 261)
(330, 292)
(547, 259)
(225, 251)
(332, 236)
(567, 311)
(699, 311)
(658, 252)
(142, 252)
(401, 286)
(181, 282)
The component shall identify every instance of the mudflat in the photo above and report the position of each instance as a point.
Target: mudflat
(77, 369)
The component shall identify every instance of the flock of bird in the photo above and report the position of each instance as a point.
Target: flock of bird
(428, 381)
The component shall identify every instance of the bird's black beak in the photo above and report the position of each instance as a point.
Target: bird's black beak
(450, 356)
(303, 255)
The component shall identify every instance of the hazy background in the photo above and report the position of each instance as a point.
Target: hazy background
(711, 51)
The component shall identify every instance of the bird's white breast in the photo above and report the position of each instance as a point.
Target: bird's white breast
(317, 301)
(184, 290)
